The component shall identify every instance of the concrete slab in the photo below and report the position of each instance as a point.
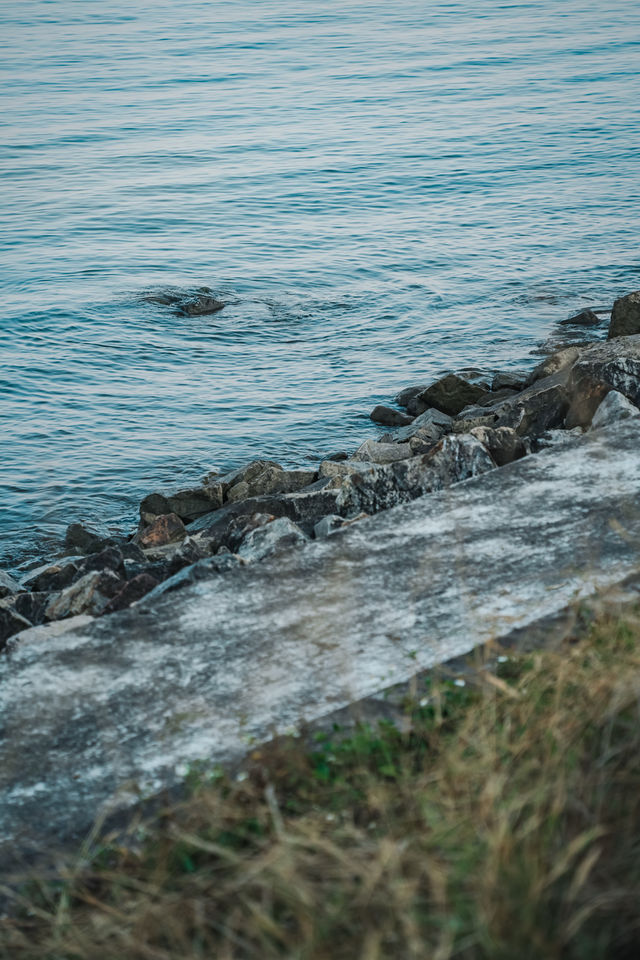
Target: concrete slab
(123, 705)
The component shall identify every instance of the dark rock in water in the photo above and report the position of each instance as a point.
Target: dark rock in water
(613, 365)
(516, 381)
(586, 318)
(540, 407)
(52, 576)
(8, 586)
(31, 606)
(451, 394)
(90, 594)
(405, 396)
(111, 558)
(613, 408)
(277, 535)
(132, 591)
(338, 457)
(164, 529)
(82, 538)
(556, 363)
(202, 570)
(187, 504)
(10, 624)
(389, 417)
(199, 305)
(625, 316)
(503, 443)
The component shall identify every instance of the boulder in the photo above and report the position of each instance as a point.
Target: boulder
(187, 504)
(450, 394)
(556, 363)
(343, 469)
(586, 318)
(271, 480)
(164, 529)
(31, 606)
(516, 381)
(90, 594)
(8, 586)
(277, 535)
(453, 459)
(540, 407)
(130, 592)
(11, 623)
(431, 423)
(389, 417)
(614, 407)
(601, 367)
(52, 576)
(111, 558)
(202, 570)
(424, 439)
(373, 452)
(49, 631)
(199, 304)
(494, 397)
(406, 396)
(503, 443)
(82, 538)
(625, 316)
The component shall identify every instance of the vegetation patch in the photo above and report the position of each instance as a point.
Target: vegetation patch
(502, 820)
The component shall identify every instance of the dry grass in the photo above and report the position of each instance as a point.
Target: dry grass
(504, 823)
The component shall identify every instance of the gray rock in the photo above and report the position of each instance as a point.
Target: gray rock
(451, 394)
(516, 381)
(8, 586)
(468, 421)
(271, 480)
(11, 623)
(556, 363)
(41, 635)
(52, 576)
(431, 423)
(494, 397)
(329, 468)
(31, 606)
(406, 395)
(280, 534)
(586, 318)
(83, 538)
(327, 526)
(625, 316)
(389, 417)
(503, 443)
(540, 407)
(90, 594)
(199, 305)
(424, 439)
(111, 558)
(601, 367)
(614, 407)
(187, 504)
(373, 452)
(202, 570)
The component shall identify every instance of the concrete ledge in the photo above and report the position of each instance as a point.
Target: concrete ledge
(95, 716)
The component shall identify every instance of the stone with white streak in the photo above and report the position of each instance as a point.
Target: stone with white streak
(614, 407)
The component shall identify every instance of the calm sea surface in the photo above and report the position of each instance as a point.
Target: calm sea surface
(380, 192)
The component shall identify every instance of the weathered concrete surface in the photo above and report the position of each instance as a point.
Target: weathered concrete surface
(126, 702)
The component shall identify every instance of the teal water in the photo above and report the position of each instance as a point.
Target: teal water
(380, 191)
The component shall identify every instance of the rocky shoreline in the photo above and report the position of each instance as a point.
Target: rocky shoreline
(439, 434)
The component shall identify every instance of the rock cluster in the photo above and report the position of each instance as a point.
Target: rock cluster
(455, 428)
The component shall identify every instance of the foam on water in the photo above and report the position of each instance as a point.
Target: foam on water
(380, 192)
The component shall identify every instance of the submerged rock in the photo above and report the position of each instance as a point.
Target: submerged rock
(614, 407)
(625, 316)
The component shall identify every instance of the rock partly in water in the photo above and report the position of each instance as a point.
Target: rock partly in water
(389, 417)
(625, 316)
(450, 394)
(165, 529)
(8, 586)
(90, 594)
(614, 407)
(271, 480)
(199, 305)
(372, 452)
(540, 407)
(187, 504)
(407, 395)
(516, 381)
(586, 318)
(278, 535)
(84, 538)
(431, 423)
